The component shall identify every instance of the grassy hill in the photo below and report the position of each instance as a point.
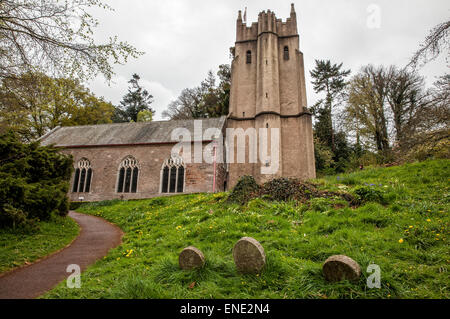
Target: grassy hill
(403, 228)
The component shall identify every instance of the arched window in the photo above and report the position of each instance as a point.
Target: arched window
(286, 53)
(249, 57)
(128, 175)
(83, 176)
(172, 175)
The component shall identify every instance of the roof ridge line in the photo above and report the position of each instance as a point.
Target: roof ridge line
(142, 123)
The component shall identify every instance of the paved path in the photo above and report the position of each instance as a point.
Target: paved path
(96, 238)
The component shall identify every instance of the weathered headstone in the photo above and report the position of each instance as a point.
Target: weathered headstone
(249, 255)
(191, 258)
(340, 267)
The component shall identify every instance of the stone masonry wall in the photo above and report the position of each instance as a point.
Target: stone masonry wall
(105, 161)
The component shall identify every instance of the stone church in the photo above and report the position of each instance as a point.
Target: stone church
(135, 160)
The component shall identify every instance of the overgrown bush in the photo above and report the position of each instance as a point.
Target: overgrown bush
(323, 155)
(245, 189)
(428, 148)
(34, 181)
(282, 190)
(18, 219)
(370, 194)
(75, 205)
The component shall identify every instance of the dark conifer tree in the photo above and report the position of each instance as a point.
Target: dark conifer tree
(330, 79)
(136, 100)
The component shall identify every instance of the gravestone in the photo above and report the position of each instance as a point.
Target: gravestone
(340, 267)
(249, 255)
(191, 258)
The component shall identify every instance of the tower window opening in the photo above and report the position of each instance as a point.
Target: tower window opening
(267, 95)
(249, 57)
(286, 53)
(267, 125)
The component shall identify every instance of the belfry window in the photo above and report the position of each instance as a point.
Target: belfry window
(172, 175)
(83, 176)
(286, 53)
(128, 175)
(249, 57)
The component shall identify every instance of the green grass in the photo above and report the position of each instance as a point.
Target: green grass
(297, 239)
(17, 249)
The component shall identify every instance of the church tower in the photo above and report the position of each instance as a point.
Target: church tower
(268, 91)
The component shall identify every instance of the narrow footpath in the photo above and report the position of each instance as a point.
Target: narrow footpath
(96, 238)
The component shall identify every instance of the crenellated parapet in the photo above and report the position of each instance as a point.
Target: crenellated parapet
(267, 23)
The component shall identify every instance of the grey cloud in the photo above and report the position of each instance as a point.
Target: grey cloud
(184, 39)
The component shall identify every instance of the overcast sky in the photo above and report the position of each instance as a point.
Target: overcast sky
(183, 39)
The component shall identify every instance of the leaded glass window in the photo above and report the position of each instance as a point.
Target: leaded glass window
(83, 176)
(173, 175)
(127, 180)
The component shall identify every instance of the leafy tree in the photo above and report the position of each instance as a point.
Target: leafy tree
(223, 90)
(206, 100)
(186, 106)
(207, 96)
(145, 116)
(323, 127)
(330, 79)
(34, 182)
(406, 98)
(383, 99)
(431, 125)
(323, 155)
(366, 105)
(34, 103)
(56, 36)
(135, 101)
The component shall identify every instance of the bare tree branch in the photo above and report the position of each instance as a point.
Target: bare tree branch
(436, 42)
(55, 37)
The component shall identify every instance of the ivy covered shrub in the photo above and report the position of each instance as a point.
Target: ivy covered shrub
(34, 181)
(245, 189)
(282, 190)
